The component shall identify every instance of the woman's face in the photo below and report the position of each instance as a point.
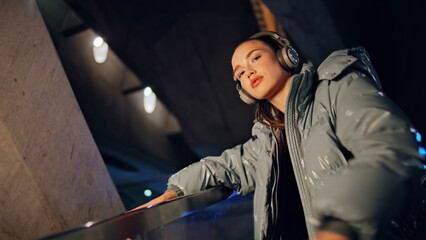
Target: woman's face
(254, 63)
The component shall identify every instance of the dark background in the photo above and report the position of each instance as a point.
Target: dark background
(182, 50)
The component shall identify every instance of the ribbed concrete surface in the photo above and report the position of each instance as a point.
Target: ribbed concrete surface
(52, 176)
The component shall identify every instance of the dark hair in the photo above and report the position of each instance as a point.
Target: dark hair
(266, 113)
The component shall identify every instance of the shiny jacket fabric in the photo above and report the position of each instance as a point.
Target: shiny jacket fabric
(354, 155)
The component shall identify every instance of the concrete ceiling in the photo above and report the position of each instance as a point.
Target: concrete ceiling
(182, 49)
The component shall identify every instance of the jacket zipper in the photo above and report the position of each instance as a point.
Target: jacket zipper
(276, 183)
(296, 154)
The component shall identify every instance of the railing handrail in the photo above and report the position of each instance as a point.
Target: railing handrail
(129, 224)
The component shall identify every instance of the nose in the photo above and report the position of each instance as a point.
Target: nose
(251, 72)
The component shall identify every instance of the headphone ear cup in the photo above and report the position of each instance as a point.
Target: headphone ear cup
(288, 58)
(281, 56)
(244, 95)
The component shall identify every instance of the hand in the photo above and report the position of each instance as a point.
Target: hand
(166, 196)
(325, 235)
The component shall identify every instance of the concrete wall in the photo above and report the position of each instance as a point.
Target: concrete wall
(52, 177)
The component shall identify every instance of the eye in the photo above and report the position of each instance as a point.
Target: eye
(255, 58)
(240, 74)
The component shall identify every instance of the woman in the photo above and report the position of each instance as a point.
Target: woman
(331, 156)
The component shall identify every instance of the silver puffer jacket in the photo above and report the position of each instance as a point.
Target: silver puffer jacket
(354, 155)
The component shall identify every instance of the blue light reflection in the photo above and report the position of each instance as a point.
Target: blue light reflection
(422, 151)
(418, 137)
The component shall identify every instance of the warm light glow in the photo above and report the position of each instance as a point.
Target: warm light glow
(89, 224)
(100, 50)
(149, 100)
(98, 42)
(147, 91)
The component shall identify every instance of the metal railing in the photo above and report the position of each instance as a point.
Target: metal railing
(130, 224)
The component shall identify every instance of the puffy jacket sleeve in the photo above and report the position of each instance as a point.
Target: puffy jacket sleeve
(373, 185)
(234, 169)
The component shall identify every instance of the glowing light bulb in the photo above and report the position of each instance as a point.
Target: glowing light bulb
(147, 91)
(149, 100)
(100, 50)
(147, 193)
(98, 42)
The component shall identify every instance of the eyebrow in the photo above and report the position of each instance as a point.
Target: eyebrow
(247, 56)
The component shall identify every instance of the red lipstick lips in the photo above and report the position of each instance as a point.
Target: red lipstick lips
(255, 81)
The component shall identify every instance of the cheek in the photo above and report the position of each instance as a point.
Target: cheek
(245, 83)
(277, 71)
(271, 66)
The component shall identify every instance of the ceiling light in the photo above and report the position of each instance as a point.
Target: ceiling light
(100, 50)
(147, 193)
(149, 100)
(98, 42)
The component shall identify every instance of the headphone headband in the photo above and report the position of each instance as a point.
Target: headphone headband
(274, 36)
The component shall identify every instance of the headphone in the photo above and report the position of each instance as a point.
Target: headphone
(286, 55)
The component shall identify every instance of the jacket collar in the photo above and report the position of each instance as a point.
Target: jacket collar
(302, 87)
(334, 65)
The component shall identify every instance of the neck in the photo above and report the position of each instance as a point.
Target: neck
(279, 100)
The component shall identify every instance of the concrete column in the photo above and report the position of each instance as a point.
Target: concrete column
(52, 176)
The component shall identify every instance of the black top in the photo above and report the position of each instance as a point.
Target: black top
(291, 220)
